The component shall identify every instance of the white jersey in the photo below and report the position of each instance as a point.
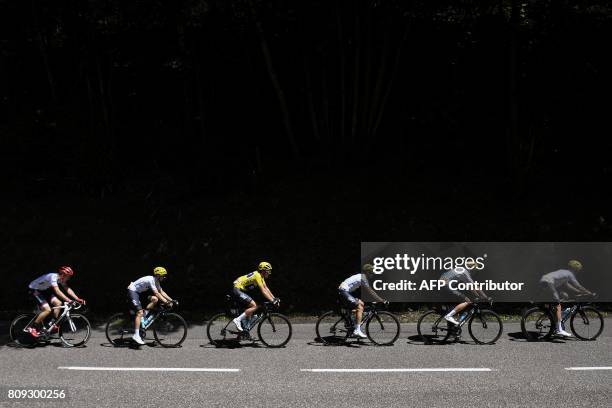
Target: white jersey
(144, 284)
(44, 282)
(353, 283)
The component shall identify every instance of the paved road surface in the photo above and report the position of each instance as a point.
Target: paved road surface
(521, 374)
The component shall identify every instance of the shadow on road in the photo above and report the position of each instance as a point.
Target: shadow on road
(520, 337)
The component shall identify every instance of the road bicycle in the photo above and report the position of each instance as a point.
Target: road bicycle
(273, 329)
(169, 329)
(484, 325)
(381, 327)
(74, 328)
(586, 322)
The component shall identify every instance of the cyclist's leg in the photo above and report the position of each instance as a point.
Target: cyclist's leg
(356, 306)
(556, 303)
(136, 306)
(465, 302)
(55, 302)
(42, 302)
(152, 302)
(247, 303)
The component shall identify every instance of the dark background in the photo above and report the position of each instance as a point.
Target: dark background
(206, 136)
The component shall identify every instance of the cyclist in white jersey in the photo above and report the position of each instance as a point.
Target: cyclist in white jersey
(566, 279)
(349, 287)
(46, 289)
(147, 288)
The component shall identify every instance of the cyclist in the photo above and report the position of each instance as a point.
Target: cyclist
(45, 289)
(349, 286)
(247, 283)
(563, 278)
(460, 274)
(145, 289)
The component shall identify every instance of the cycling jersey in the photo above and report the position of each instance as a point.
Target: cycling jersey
(354, 282)
(45, 282)
(559, 278)
(457, 274)
(250, 281)
(144, 284)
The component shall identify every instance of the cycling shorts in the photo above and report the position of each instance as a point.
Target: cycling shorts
(242, 298)
(550, 291)
(42, 297)
(347, 298)
(136, 299)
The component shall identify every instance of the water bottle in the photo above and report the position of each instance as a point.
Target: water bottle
(565, 313)
(462, 316)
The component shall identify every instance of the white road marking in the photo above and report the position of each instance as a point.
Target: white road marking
(392, 370)
(587, 368)
(188, 369)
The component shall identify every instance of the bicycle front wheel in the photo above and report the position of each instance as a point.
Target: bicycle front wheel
(383, 328)
(274, 330)
(75, 330)
(587, 323)
(170, 330)
(17, 333)
(332, 328)
(537, 324)
(485, 327)
(433, 328)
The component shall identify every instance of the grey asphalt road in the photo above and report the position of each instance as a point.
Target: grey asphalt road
(522, 374)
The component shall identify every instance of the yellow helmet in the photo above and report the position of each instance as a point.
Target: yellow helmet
(160, 271)
(575, 265)
(264, 266)
(367, 268)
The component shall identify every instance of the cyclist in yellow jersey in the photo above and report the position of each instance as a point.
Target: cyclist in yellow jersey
(249, 282)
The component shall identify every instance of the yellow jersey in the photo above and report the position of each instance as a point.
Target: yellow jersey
(247, 282)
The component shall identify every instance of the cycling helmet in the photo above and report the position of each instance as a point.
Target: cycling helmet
(160, 271)
(367, 268)
(65, 271)
(264, 266)
(575, 265)
(470, 264)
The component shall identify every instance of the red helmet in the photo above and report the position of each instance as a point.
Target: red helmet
(65, 270)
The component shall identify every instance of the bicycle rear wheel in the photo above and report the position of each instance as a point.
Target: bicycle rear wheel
(218, 331)
(170, 330)
(485, 327)
(74, 331)
(433, 328)
(332, 328)
(119, 329)
(383, 328)
(17, 333)
(274, 330)
(537, 324)
(587, 323)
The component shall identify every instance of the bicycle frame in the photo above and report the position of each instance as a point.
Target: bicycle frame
(63, 316)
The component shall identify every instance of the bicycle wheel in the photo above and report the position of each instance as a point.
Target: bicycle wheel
(119, 329)
(17, 333)
(383, 328)
(587, 323)
(170, 330)
(218, 330)
(537, 324)
(485, 327)
(433, 328)
(332, 328)
(75, 331)
(274, 330)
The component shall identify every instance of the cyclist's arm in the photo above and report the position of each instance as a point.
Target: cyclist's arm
(159, 294)
(73, 295)
(372, 293)
(60, 294)
(169, 299)
(577, 287)
(265, 291)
